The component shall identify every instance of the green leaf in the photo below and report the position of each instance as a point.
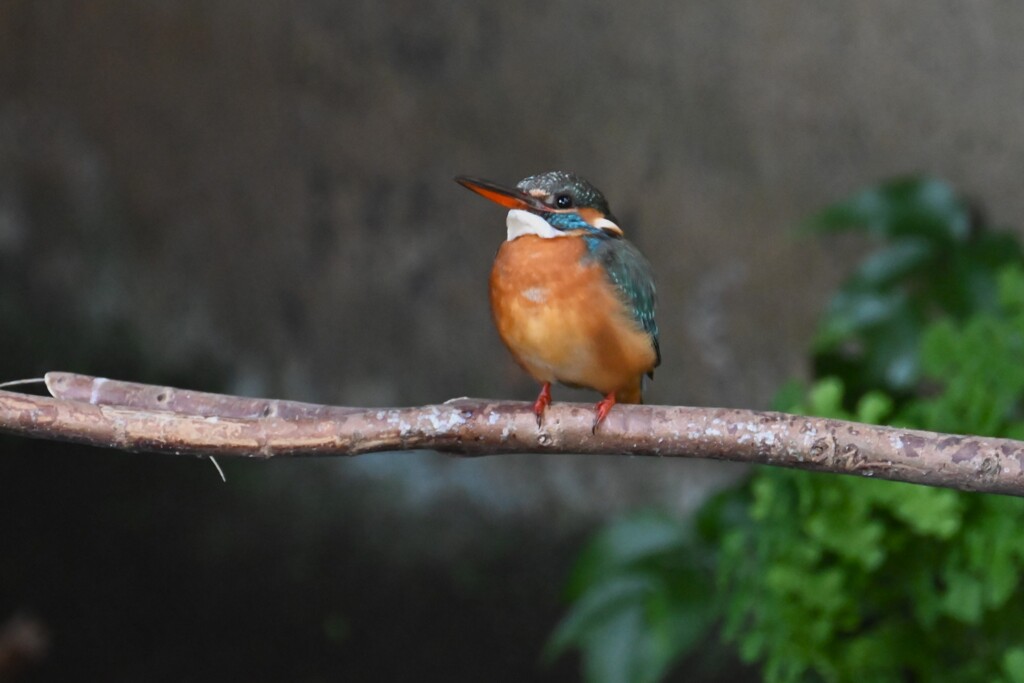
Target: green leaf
(616, 651)
(601, 603)
(826, 398)
(632, 627)
(874, 407)
(789, 397)
(907, 206)
(887, 266)
(1013, 665)
(626, 542)
(963, 598)
(926, 511)
(853, 311)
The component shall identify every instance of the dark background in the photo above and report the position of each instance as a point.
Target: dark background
(256, 198)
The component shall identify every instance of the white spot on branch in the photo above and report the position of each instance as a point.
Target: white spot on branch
(97, 384)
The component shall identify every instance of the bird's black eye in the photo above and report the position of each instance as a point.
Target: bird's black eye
(563, 201)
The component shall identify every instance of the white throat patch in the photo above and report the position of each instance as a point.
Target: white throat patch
(521, 223)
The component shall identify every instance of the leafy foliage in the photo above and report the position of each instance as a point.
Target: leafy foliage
(937, 259)
(641, 600)
(832, 578)
(854, 579)
(980, 366)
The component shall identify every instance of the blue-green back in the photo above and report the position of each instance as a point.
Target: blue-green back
(626, 267)
(631, 274)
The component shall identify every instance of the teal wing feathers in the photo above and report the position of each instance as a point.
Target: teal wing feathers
(631, 274)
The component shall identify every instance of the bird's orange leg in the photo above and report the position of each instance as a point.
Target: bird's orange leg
(602, 409)
(542, 402)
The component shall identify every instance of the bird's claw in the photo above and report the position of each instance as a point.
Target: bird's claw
(542, 402)
(601, 410)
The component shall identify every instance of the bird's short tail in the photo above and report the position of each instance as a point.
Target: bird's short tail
(634, 393)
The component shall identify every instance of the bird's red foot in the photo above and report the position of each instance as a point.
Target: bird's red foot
(601, 410)
(542, 402)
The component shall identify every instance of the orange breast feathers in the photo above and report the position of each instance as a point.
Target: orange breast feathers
(564, 321)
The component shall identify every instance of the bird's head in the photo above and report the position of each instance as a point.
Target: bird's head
(550, 204)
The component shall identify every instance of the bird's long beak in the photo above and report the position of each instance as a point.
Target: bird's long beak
(507, 197)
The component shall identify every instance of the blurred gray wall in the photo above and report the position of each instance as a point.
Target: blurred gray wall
(269, 184)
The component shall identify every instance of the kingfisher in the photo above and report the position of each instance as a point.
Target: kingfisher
(572, 299)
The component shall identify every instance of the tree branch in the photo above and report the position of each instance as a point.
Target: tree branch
(141, 417)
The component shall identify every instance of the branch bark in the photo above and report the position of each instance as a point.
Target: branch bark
(140, 417)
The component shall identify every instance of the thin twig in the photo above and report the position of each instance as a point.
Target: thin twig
(22, 382)
(140, 417)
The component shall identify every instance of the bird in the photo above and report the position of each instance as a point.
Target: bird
(573, 300)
